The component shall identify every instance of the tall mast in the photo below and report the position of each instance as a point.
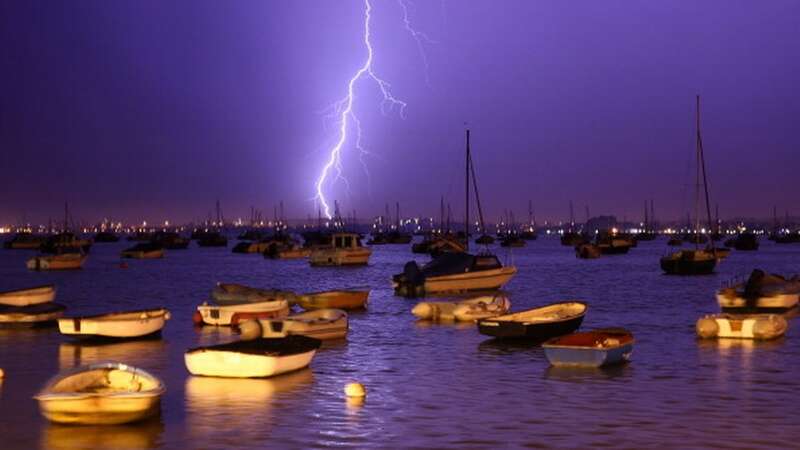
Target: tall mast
(571, 216)
(703, 167)
(66, 215)
(441, 215)
(398, 215)
(466, 210)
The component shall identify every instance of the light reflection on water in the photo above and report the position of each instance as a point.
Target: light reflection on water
(429, 384)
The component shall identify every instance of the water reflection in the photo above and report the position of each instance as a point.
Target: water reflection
(425, 324)
(120, 437)
(210, 335)
(137, 352)
(244, 406)
(578, 374)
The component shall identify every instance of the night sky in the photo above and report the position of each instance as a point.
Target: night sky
(153, 110)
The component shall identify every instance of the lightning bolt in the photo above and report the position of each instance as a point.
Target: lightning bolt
(342, 110)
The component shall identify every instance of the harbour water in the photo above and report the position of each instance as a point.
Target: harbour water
(429, 385)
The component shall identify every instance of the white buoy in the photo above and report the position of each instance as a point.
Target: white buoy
(355, 390)
(249, 330)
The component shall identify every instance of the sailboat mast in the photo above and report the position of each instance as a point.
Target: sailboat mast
(466, 210)
(703, 167)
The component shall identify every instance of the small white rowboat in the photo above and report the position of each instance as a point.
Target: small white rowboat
(742, 326)
(320, 324)
(232, 314)
(28, 296)
(103, 393)
(252, 359)
(31, 315)
(464, 310)
(129, 324)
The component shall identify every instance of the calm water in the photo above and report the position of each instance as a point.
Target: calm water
(430, 386)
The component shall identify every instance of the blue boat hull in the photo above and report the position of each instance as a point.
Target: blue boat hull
(587, 357)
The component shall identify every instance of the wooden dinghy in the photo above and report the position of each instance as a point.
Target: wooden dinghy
(463, 310)
(28, 296)
(31, 315)
(591, 348)
(257, 358)
(63, 261)
(320, 324)
(235, 294)
(742, 326)
(340, 299)
(101, 394)
(232, 314)
(144, 250)
(537, 324)
(127, 324)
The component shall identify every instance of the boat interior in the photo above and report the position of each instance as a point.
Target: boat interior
(595, 339)
(104, 380)
(550, 313)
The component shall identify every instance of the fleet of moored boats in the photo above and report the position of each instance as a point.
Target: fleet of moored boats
(274, 339)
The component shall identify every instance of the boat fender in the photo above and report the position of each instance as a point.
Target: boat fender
(355, 390)
(197, 318)
(167, 315)
(423, 310)
(250, 329)
(768, 327)
(707, 328)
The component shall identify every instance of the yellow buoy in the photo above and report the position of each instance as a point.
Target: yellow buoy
(355, 390)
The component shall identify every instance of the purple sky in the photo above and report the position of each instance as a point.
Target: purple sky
(151, 109)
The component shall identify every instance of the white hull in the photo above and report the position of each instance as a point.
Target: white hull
(30, 318)
(754, 326)
(465, 310)
(214, 363)
(320, 324)
(469, 281)
(776, 302)
(104, 394)
(25, 297)
(223, 314)
(118, 325)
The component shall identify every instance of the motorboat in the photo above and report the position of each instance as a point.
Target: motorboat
(453, 273)
(28, 296)
(61, 261)
(322, 324)
(30, 315)
(344, 249)
(126, 324)
(232, 314)
(463, 310)
(512, 240)
(762, 293)
(66, 242)
(144, 250)
(594, 348)
(256, 358)
(101, 394)
(234, 294)
(212, 239)
(337, 299)
(537, 324)
(742, 326)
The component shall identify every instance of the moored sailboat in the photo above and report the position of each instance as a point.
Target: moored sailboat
(697, 261)
(456, 272)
